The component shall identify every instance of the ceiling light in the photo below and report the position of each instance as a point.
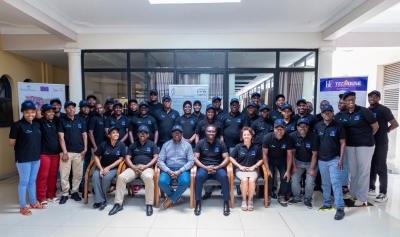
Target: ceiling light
(190, 1)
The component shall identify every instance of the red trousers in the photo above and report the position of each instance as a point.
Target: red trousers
(47, 177)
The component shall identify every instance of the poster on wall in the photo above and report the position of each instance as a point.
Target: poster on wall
(332, 87)
(182, 93)
(40, 93)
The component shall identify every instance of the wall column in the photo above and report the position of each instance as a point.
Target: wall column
(75, 75)
(325, 65)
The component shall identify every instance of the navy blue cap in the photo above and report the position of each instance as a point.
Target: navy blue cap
(303, 120)
(166, 97)
(255, 93)
(326, 108)
(210, 106)
(279, 96)
(132, 100)
(143, 128)
(251, 103)
(301, 100)
(264, 106)
(55, 100)
(154, 91)
(113, 128)
(83, 103)
(117, 103)
(375, 92)
(91, 96)
(279, 122)
(46, 107)
(340, 96)
(347, 93)
(27, 105)
(234, 100)
(197, 101)
(143, 103)
(109, 100)
(287, 106)
(215, 98)
(177, 127)
(68, 103)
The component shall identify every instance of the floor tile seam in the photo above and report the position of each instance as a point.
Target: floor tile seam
(151, 226)
(287, 223)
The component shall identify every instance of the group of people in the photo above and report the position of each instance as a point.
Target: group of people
(344, 152)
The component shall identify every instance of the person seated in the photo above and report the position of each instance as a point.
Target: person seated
(175, 161)
(247, 157)
(107, 158)
(142, 156)
(211, 156)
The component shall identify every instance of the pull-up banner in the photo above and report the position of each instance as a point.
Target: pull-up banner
(181, 93)
(332, 87)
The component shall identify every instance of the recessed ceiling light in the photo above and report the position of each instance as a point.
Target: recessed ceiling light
(190, 1)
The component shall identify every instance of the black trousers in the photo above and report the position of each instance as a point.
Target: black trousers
(379, 167)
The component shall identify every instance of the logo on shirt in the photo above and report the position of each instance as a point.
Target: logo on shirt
(79, 125)
(261, 129)
(292, 128)
(216, 149)
(332, 133)
(148, 121)
(112, 122)
(148, 149)
(138, 122)
(173, 116)
(271, 128)
(298, 144)
(106, 153)
(272, 146)
(242, 153)
(357, 117)
(227, 120)
(239, 120)
(28, 131)
(162, 116)
(191, 121)
(205, 149)
(118, 152)
(320, 133)
(48, 125)
(123, 122)
(308, 145)
(101, 122)
(375, 114)
(68, 126)
(274, 116)
(136, 150)
(182, 122)
(253, 153)
(283, 146)
(344, 120)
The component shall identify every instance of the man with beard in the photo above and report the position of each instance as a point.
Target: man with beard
(109, 106)
(303, 113)
(165, 118)
(310, 108)
(56, 103)
(188, 122)
(117, 119)
(216, 101)
(143, 119)
(154, 105)
(255, 98)
(197, 109)
(277, 114)
(92, 100)
(262, 125)
(321, 105)
(96, 127)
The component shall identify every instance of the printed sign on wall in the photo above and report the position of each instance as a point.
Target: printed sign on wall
(181, 93)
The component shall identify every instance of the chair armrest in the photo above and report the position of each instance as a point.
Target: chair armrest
(231, 178)
(193, 172)
(264, 169)
(121, 168)
(86, 185)
(156, 187)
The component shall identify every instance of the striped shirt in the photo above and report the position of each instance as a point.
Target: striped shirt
(176, 156)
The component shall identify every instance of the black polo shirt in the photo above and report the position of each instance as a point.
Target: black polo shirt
(200, 117)
(246, 156)
(383, 115)
(96, 124)
(142, 154)
(122, 123)
(245, 112)
(250, 121)
(337, 117)
(277, 149)
(50, 142)
(56, 119)
(210, 153)
(109, 153)
(274, 115)
(329, 139)
(305, 146)
(221, 114)
(358, 126)
(130, 115)
(260, 128)
(83, 118)
(188, 125)
(154, 107)
(312, 119)
(291, 126)
(201, 128)
(28, 140)
(107, 114)
(319, 117)
(138, 121)
(165, 122)
(230, 128)
(72, 130)
(91, 113)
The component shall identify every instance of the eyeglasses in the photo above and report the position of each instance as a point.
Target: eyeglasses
(211, 131)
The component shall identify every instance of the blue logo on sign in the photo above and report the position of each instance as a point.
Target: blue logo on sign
(118, 152)
(148, 148)
(216, 149)
(357, 117)
(308, 145)
(253, 153)
(332, 133)
(79, 125)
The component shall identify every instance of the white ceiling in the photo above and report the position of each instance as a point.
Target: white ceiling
(387, 21)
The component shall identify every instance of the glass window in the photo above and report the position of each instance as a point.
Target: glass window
(6, 110)
(297, 59)
(201, 59)
(152, 60)
(252, 59)
(143, 82)
(105, 60)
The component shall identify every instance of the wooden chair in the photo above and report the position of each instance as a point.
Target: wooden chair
(121, 168)
(260, 181)
(208, 182)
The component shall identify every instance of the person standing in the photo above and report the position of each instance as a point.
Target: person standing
(165, 118)
(262, 125)
(153, 104)
(117, 119)
(197, 110)
(56, 103)
(303, 113)
(96, 128)
(322, 104)
(216, 101)
(73, 140)
(384, 117)
(310, 108)
(84, 115)
(143, 118)
(211, 118)
(332, 140)
(133, 109)
(290, 122)
(108, 105)
(277, 114)
(255, 98)
(188, 122)
(25, 137)
(92, 100)
(252, 112)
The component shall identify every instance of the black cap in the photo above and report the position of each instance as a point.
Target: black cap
(143, 128)
(91, 96)
(68, 103)
(210, 106)
(255, 93)
(55, 100)
(196, 101)
(46, 107)
(340, 96)
(83, 103)
(117, 103)
(375, 92)
(347, 93)
(113, 128)
(132, 100)
(187, 103)
(154, 91)
(109, 100)
(279, 123)
(143, 103)
(303, 120)
(279, 96)
(286, 106)
(252, 104)
(234, 100)
(264, 106)
(27, 105)
(326, 108)
(166, 97)
(177, 127)
(301, 100)
(215, 98)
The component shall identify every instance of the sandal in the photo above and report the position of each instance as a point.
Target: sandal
(37, 205)
(44, 203)
(53, 200)
(250, 207)
(25, 211)
(244, 206)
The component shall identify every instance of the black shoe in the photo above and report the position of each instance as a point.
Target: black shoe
(239, 192)
(226, 208)
(149, 210)
(63, 199)
(116, 208)
(273, 195)
(308, 203)
(325, 208)
(197, 209)
(97, 205)
(103, 205)
(282, 201)
(207, 195)
(293, 201)
(76, 197)
(339, 214)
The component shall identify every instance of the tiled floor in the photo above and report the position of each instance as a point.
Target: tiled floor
(76, 219)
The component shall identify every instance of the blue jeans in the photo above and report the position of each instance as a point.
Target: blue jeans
(220, 176)
(297, 177)
(330, 175)
(344, 177)
(282, 167)
(183, 183)
(27, 180)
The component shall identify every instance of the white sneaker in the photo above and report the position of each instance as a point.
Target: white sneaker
(381, 198)
(347, 196)
(371, 192)
(359, 203)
